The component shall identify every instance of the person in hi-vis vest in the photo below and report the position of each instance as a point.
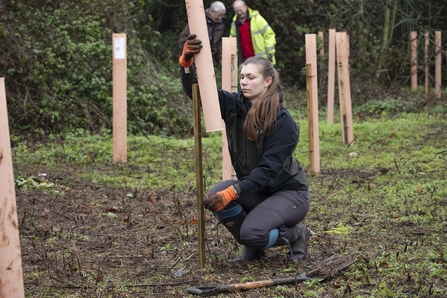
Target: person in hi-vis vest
(254, 35)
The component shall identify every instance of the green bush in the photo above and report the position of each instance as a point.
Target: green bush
(58, 70)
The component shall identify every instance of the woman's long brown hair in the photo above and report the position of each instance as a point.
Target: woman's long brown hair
(261, 118)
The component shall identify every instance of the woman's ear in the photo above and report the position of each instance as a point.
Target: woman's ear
(268, 82)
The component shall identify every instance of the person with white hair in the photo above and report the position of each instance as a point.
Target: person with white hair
(214, 15)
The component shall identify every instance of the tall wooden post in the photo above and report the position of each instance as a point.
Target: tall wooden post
(205, 67)
(119, 98)
(331, 77)
(438, 62)
(199, 171)
(344, 87)
(228, 50)
(414, 58)
(312, 102)
(234, 86)
(427, 62)
(11, 280)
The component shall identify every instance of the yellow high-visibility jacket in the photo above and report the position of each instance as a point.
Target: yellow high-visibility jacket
(262, 36)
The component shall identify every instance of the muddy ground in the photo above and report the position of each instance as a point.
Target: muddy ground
(80, 239)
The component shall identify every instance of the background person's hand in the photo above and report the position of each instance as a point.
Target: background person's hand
(217, 202)
(192, 46)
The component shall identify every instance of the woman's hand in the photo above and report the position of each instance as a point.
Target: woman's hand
(219, 200)
(192, 46)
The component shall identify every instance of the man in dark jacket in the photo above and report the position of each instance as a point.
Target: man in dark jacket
(214, 15)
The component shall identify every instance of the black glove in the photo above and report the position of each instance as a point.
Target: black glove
(192, 46)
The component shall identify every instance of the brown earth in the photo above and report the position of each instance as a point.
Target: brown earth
(80, 239)
(95, 241)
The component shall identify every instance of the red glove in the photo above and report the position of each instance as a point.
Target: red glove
(219, 200)
(192, 46)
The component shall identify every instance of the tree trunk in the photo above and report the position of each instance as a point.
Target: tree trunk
(388, 28)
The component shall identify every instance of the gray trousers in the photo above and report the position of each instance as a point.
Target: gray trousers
(281, 210)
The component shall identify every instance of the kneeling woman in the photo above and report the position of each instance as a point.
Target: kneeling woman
(265, 206)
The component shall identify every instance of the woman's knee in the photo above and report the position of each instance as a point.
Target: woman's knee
(254, 237)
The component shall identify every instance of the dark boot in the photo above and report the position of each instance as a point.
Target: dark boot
(248, 254)
(232, 219)
(298, 246)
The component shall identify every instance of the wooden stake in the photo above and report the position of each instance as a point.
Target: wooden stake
(344, 87)
(310, 126)
(312, 102)
(413, 61)
(204, 65)
(331, 77)
(234, 73)
(228, 50)
(427, 61)
(119, 98)
(234, 86)
(199, 171)
(11, 280)
(438, 62)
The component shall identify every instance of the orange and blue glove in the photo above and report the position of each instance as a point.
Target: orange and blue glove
(217, 202)
(192, 46)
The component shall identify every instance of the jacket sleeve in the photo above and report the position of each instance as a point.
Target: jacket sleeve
(268, 34)
(182, 39)
(233, 29)
(188, 76)
(218, 57)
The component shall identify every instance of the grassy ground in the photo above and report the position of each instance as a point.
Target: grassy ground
(91, 228)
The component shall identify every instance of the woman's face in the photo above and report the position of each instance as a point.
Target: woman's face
(253, 84)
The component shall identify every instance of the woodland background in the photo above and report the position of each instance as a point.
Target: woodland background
(93, 228)
(56, 56)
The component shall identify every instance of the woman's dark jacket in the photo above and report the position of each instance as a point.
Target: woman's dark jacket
(266, 165)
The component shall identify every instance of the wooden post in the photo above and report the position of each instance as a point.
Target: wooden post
(234, 73)
(11, 280)
(331, 77)
(438, 60)
(234, 85)
(119, 98)
(413, 61)
(204, 65)
(427, 62)
(344, 88)
(199, 172)
(310, 119)
(312, 102)
(228, 50)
